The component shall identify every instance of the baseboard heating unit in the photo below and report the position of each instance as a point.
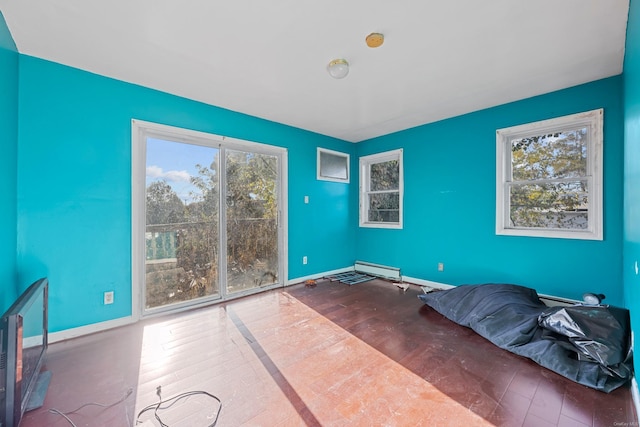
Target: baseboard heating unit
(391, 273)
(365, 271)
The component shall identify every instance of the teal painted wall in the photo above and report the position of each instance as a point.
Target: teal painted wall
(8, 173)
(74, 186)
(632, 170)
(449, 203)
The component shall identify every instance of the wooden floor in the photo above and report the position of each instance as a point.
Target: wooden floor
(332, 355)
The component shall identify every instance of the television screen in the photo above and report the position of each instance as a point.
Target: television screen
(23, 341)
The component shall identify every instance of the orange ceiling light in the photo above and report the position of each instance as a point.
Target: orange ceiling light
(374, 40)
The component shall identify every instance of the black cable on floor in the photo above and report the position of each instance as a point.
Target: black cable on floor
(102, 405)
(156, 407)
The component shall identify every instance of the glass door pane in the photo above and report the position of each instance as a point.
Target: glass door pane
(251, 203)
(182, 223)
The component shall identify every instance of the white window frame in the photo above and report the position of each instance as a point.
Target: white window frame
(322, 177)
(593, 120)
(365, 167)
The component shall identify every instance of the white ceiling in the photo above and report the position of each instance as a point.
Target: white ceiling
(441, 58)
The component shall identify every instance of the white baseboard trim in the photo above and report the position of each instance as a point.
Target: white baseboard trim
(67, 334)
(297, 280)
(636, 398)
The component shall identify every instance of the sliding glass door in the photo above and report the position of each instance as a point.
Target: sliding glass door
(210, 217)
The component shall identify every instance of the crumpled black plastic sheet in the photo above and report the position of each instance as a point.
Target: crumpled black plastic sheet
(596, 333)
(587, 344)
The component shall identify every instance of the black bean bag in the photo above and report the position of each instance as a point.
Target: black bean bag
(587, 344)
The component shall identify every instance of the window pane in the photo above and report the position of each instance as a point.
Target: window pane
(384, 207)
(557, 206)
(550, 156)
(181, 234)
(252, 228)
(333, 165)
(385, 176)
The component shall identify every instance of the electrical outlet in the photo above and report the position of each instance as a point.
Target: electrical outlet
(304, 260)
(306, 199)
(440, 266)
(108, 297)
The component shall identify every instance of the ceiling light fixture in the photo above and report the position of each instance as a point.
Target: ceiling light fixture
(338, 68)
(374, 40)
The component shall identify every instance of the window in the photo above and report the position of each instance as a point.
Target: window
(549, 178)
(381, 188)
(333, 165)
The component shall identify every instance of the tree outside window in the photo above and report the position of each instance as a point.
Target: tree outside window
(381, 190)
